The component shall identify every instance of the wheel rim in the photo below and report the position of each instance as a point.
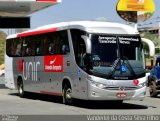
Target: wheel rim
(68, 94)
(20, 90)
(151, 90)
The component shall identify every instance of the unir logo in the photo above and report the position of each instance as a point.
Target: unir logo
(29, 69)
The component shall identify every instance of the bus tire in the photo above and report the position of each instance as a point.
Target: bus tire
(67, 95)
(152, 89)
(20, 88)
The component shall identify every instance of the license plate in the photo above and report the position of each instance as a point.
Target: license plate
(121, 95)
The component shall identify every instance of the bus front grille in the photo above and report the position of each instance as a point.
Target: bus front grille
(121, 88)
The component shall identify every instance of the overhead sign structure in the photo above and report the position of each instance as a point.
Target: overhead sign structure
(14, 22)
(19, 9)
(23, 7)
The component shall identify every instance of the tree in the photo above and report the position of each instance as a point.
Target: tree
(2, 45)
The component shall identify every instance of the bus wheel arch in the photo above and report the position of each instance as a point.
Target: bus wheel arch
(20, 87)
(67, 92)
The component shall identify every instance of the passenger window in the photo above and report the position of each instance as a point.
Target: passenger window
(79, 47)
(9, 47)
(51, 47)
(18, 47)
(39, 47)
(18, 50)
(53, 44)
(49, 44)
(28, 46)
(62, 43)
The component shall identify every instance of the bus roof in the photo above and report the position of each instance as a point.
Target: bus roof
(89, 26)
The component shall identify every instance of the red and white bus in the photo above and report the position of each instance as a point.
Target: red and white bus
(83, 59)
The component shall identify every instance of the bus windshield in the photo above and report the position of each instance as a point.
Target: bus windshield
(117, 57)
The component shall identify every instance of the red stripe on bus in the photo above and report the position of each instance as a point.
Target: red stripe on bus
(46, 0)
(51, 93)
(36, 32)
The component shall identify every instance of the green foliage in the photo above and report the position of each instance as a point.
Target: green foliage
(154, 38)
(2, 45)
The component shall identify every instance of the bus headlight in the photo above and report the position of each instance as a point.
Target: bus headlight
(97, 84)
(142, 84)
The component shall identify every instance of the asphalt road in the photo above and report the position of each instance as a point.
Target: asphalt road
(35, 104)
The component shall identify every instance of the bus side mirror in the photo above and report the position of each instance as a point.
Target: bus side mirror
(87, 43)
(151, 46)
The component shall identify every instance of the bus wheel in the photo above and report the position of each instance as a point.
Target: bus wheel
(152, 89)
(20, 88)
(67, 95)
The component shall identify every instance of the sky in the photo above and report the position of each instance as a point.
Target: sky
(74, 10)
(70, 10)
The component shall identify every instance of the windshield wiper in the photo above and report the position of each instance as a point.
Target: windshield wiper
(109, 75)
(124, 58)
(129, 65)
(121, 61)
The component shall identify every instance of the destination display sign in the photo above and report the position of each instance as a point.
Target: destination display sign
(112, 39)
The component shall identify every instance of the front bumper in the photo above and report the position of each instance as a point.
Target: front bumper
(95, 93)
